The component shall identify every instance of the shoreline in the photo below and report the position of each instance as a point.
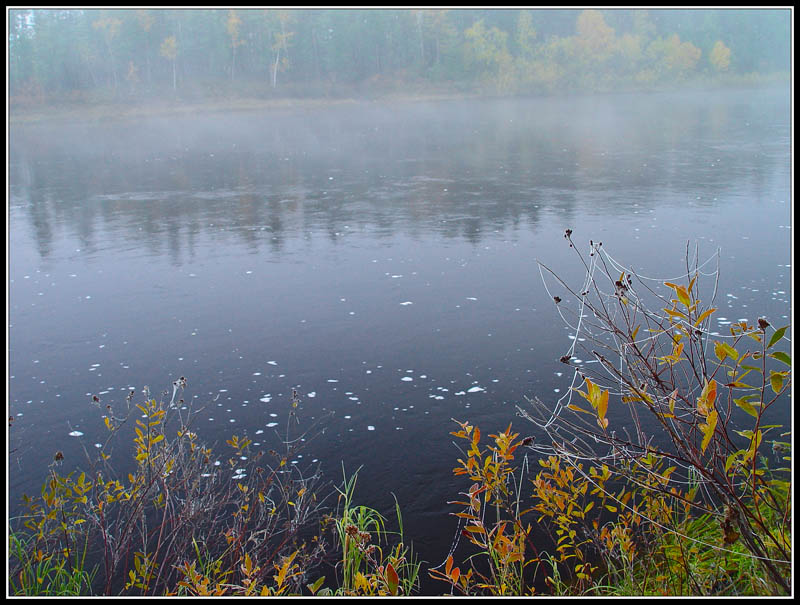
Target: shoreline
(88, 111)
(148, 109)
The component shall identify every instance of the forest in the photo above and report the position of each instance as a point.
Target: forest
(80, 56)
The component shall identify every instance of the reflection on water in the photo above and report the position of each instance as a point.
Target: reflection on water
(456, 171)
(380, 259)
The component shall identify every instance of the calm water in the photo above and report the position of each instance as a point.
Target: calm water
(381, 259)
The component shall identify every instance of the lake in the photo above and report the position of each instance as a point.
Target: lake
(379, 258)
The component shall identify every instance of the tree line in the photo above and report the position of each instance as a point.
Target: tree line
(132, 53)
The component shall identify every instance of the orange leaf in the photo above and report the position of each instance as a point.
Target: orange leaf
(391, 579)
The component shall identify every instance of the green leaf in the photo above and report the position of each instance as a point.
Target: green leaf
(722, 350)
(781, 356)
(731, 459)
(746, 406)
(777, 336)
(315, 586)
(730, 351)
(776, 381)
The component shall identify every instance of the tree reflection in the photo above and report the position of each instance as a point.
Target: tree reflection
(461, 170)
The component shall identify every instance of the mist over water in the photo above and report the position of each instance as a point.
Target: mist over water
(380, 258)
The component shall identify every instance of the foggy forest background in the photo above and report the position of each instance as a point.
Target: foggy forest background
(115, 55)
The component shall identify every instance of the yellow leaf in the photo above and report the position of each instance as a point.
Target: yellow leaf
(705, 403)
(755, 442)
(703, 315)
(672, 397)
(708, 429)
(673, 312)
(683, 296)
(776, 381)
(602, 405)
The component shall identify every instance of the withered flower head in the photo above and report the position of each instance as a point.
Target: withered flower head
(557, 299)
(59, 456)
(351, 530)
(763, 323)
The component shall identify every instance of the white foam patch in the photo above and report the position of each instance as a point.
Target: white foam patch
(370, 428)
(272, 363)
(406, 378)
(408, 302)
(271, 424)
(311, 394)
(76, 434)
(475, 389)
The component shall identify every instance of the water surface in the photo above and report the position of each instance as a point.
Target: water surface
(378, 258)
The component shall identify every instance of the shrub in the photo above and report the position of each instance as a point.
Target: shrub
(702, 506)
(181, 522)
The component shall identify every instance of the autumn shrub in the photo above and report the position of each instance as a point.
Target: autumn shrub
(182, 522)
(663, 470)
(492, 518)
